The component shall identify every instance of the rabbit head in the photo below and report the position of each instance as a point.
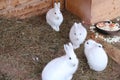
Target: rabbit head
(57, 13)
(91, 43)
(70, 55)
(79, 31)
(77, 34)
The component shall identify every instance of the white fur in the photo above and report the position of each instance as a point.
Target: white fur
(54, 17)
(61, 68)
(96, 56)
(77, 34)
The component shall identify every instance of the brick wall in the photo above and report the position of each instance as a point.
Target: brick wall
(25, 8)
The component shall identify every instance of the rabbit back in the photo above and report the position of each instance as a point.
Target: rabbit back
(57, 69)
(97, 58)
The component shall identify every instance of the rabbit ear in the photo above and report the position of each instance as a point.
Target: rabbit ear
(79, 23)
(58, 5)
(99, 45)
(55, 5)
(75, 26)
(65, 47)
(68, 48)
(70, 45)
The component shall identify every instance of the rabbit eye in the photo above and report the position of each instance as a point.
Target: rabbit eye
(87, 43)
(100, 46)
(55, 12)
(70, 58)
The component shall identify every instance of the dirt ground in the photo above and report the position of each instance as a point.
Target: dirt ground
(26, 46)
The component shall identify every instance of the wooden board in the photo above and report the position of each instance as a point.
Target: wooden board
(92, 11)
(81, 8)
(25, 8)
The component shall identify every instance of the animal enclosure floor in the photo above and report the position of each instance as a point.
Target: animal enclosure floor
(26, 46)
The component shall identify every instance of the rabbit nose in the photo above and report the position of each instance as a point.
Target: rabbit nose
(57, 18)
(74, 65)
(77, 38)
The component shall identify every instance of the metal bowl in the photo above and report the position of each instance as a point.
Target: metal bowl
(106, 31)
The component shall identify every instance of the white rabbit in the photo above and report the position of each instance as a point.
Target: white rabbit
(96, 55)
(54, 17)
(77, 34)
(61, 68)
